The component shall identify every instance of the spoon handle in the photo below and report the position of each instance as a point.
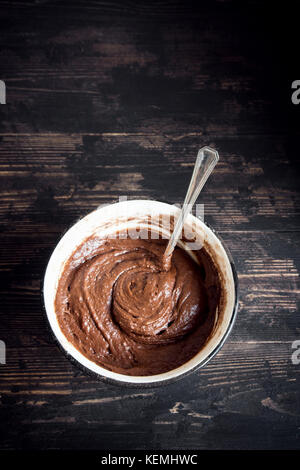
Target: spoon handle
(204, 165)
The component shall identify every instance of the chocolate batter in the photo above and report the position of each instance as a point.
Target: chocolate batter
(119, 307)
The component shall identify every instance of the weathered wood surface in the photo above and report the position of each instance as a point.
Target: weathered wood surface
(112, 99)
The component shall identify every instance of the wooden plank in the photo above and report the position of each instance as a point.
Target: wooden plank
(87, 73)
(244, 383)
(49, 181)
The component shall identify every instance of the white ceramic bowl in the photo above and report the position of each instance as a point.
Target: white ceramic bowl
(126, 214)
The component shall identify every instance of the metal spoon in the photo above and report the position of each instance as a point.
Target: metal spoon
(206, 160)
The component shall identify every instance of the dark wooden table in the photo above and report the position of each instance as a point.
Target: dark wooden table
(114, 98)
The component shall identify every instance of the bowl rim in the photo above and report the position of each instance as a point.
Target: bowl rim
(121, 379)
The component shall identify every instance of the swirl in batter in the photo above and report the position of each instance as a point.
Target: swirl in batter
(119, 307)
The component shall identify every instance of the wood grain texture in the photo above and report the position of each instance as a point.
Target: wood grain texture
(106, 99)
(54, 179)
